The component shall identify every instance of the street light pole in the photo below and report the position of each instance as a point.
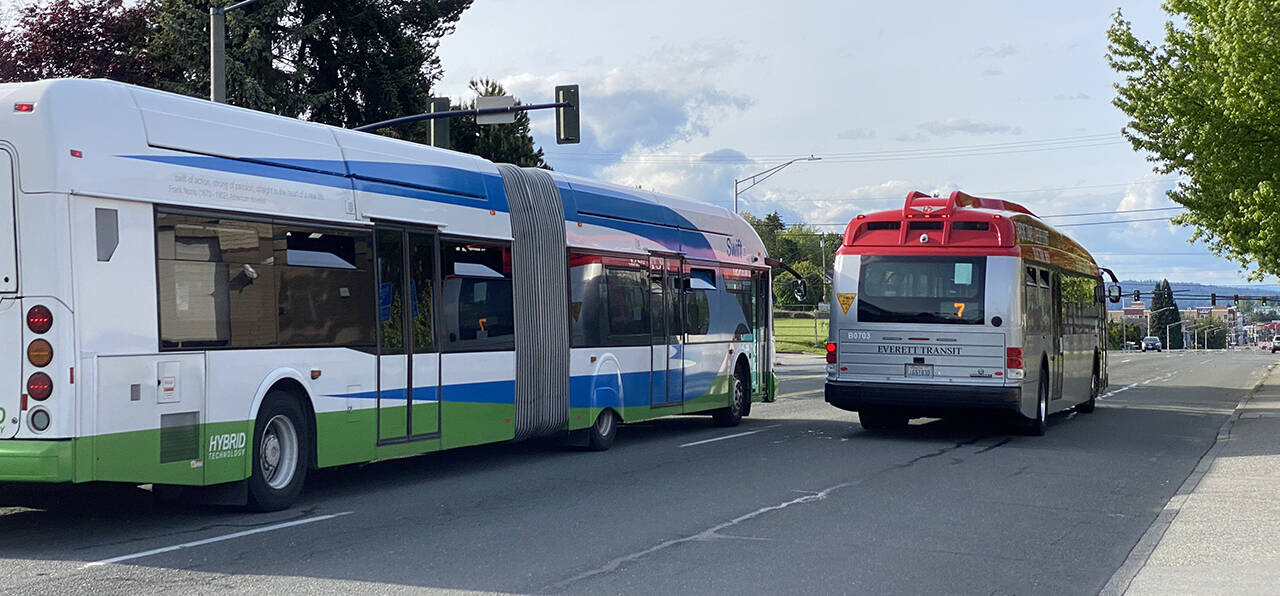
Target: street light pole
(759, 177)
(218, 50)
(1152, 312)
(1166, 333)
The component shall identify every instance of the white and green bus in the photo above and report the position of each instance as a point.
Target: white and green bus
(199, 295)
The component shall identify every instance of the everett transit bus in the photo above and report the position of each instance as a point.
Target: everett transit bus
(963, 303)
(199, 295)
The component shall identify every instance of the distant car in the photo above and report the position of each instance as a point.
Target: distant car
(1151, 342)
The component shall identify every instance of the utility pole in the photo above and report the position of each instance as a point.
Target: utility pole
(218, 50)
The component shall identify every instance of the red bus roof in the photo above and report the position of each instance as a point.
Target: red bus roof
(963, 225)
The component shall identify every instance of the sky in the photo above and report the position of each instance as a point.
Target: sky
(1003, 99)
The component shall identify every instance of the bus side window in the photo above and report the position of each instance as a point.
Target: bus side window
(1030, 277)
(627, 299)
(478, 306)
(702, 282)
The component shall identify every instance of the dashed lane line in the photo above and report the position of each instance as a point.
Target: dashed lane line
(1139, 383)
(195, 543)
(733, 436)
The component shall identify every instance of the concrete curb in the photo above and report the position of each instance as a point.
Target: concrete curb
(1146, 545)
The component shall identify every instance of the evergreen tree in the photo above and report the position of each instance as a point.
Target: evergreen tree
(502, 143)
(1164, 312)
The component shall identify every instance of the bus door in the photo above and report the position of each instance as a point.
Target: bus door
(408, 358)
(1056, 360)
(761, 367)
(666, 353)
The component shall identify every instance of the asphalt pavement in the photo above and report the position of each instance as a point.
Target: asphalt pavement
(797, 499)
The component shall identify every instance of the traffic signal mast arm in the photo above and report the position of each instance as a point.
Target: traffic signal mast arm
(451, 114)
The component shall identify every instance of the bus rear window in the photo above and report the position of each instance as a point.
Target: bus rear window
(922, 290)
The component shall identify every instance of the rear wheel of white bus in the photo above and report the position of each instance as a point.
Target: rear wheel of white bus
(1037, 426)
(279, 455)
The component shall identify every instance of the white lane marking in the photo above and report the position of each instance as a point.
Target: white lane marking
(734, 436)
(1206, 361)
(798, 393)
(1124, 361)
(167, 549)
(1128, 387)
(712, 533)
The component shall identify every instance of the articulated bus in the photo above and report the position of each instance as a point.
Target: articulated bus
(963, 303)
(199, 295)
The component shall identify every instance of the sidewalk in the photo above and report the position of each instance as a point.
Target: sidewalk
(1220, 533)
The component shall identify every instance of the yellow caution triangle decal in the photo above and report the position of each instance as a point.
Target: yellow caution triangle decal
(846, 300)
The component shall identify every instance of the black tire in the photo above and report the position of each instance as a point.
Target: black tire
(882, 419)
(281, 457)
(739, 398)
(1094, 383)
(1036, 427)
(601, 435)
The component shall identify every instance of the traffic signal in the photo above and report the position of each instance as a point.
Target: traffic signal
(1235, 299)
(1137, 295)
(1213, 299)
(1264, 300)
(567, 125)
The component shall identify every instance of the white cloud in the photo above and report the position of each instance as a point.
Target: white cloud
(856, 134)
(950, 126)
(989, 53)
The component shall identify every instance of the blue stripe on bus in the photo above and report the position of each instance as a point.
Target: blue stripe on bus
(487, 392)
(635, 390)
(442, 184)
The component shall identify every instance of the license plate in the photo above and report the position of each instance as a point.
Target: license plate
(918, 371)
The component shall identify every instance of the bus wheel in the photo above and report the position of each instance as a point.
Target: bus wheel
(1036, 426)
(601, 434)
(1094, 383)
(882, 419)
(279, 458)
(732, 415)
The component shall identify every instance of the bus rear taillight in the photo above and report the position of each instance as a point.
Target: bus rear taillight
(1013, 362)
(831, 353)
(39, 319)
(39, 386)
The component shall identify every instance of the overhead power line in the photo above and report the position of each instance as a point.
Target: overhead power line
(1118, 221)
(993, 193)
(1030, 146)
(1066, 215)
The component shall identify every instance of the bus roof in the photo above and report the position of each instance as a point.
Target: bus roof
(118, 130)
(962, 224)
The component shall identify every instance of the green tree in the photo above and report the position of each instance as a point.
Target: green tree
(1205, 105)
(77, 38)
(1210, 334)
(340, 62)
(1116, 335)
(1164, 312)
(502, 143)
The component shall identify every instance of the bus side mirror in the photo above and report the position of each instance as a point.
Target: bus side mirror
(1113, 294)
(801, 290)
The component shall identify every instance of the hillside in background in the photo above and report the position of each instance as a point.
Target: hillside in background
(1183, 290)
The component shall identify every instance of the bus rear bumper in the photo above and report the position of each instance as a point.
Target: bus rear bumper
(36, 461)
(921, 399)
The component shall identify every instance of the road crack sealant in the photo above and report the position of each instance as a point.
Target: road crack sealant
(714, 532)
